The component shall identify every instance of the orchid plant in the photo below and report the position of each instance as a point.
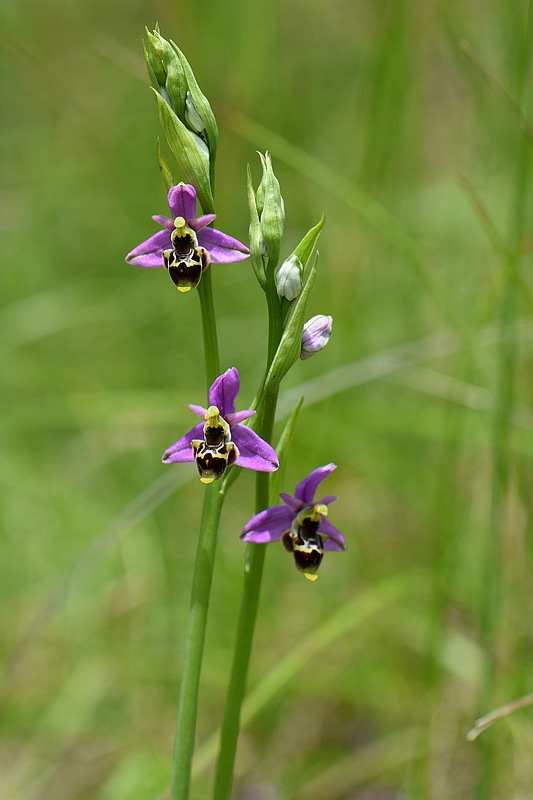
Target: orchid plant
(224, 440)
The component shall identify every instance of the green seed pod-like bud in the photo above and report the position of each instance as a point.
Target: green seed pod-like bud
(271, 210)
(257, 246)
(185, 114)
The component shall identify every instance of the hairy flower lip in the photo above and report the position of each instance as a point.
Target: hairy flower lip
(222, 249)
(254, 452)
(270, 525)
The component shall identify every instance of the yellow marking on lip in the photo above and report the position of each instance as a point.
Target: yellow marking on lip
(310, 576)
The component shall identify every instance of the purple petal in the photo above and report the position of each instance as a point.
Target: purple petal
(254, 453)
(200, 410)
(268, 525)
(238, 416)
(335, 540)
(325, 501)
(305, 491)
(294, 505)
(223, 249)
(201, 222)
(224, 391)
(181, 451)
(149, 253)
(165, 222)
(182, 201)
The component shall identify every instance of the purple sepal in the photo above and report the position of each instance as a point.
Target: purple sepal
(223, 249)
(149, 253)
(182, 201)
(305, 491)
(181, 451)
(254, 452)
(268, 526)
(335, 540)
(224, 391)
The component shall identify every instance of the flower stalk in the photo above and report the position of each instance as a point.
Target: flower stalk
(194, 644)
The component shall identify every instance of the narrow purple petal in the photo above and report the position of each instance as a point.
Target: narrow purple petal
(254, 452)
(238, 416)
(149, 253)
(335, 540)
(294, 505)
(201, 222)
(182, 201)
(268, 525)
(200, 410)
(223, 249)
(305, 491)
(181, 450)
(224, 391)
(165, 222)
(325, 501)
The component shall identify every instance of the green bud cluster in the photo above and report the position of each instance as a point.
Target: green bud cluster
(186, 116)
(288, 286)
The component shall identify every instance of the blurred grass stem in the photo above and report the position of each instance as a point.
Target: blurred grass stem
(491, 588)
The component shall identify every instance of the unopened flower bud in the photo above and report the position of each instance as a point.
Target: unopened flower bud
(271, 210)
(289, 278)
(315, 335)
(185, 114)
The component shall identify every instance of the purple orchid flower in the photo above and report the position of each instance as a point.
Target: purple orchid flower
(186, 246)
(300, 523)
(221, 439)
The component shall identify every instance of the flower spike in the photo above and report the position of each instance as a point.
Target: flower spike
(221, 440)
(301, 524)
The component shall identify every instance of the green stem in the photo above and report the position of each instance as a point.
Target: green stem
(202, 579)
(253, 573)
(194, 645)
(209, 328)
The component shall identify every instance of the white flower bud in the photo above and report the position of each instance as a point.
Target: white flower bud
(288, 278)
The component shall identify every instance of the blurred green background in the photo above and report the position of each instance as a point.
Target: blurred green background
(402, 122)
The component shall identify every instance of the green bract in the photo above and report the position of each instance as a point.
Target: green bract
(188, 121)
(291, 340)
